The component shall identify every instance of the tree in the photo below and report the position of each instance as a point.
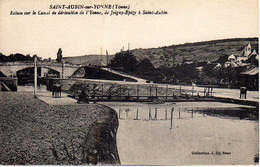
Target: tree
(59, 56)
(222, 59)
(145, 64)
(185, 73)
(15, 57)
(124, 60)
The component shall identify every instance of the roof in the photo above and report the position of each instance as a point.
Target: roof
(231, 57)
(248, 45)
(253, 53)
(232, 64)
(251, 71)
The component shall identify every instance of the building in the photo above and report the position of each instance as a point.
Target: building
(247, 51)
(249, 78)
(247, 58)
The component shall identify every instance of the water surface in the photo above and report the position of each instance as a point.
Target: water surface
(144, 140)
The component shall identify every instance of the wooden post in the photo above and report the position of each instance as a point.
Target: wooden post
(150, 90)
(35, 75)
(166, 113)
(171, 116)
(156, 91)
(155, 115)
(149, 113)
(137, 91)
(179, 113)
(126, 113)
(192, 91)
(166, 91)
(137, 114)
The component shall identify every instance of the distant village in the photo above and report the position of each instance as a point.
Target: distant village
(248, 61)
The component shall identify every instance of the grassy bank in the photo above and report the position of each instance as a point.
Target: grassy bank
(33, 132)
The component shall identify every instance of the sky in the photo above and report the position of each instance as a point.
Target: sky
(185, 21)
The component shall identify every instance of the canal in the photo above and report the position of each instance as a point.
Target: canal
(186, 133)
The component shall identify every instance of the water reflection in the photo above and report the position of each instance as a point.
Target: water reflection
(171, 112)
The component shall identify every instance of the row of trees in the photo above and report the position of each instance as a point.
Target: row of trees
(15, 57)
(126, 62)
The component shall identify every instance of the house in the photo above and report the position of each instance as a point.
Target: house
(253, 58)
(232, 58)
(218, 66)
(231, 61)
(188, 62)
(249, 78)
(230, 64)
(246, 52)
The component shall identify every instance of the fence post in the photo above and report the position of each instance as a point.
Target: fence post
(155, 115)
(137, 114)
(149, 113)
(156, 91)
(150, 90)
(126, 112)
(179, 113)
(166, 113)
(166, 91)
(171, 116)
(192, 91)
(137, 91)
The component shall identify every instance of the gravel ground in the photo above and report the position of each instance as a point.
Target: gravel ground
(33, 132)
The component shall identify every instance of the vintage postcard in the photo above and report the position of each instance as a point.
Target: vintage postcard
(171, 82)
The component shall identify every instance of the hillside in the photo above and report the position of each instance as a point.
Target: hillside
(91, 60)
(163, 56)
(199, 51)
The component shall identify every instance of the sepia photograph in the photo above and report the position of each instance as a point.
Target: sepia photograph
(171, 82)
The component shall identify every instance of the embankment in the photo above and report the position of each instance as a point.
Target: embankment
(35, 133)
